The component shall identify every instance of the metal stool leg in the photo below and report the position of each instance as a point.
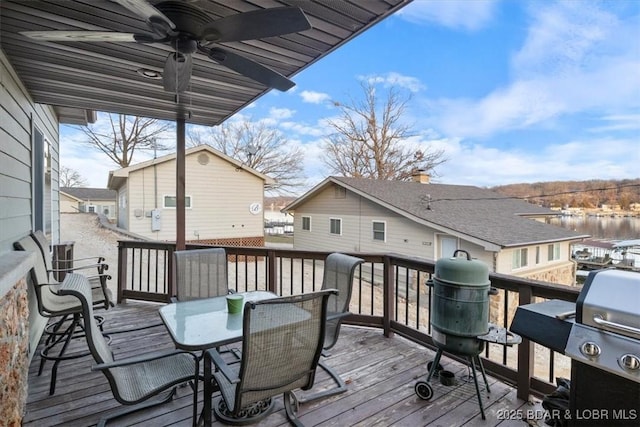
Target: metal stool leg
(434, 366)
(475, 381)
(484, 375)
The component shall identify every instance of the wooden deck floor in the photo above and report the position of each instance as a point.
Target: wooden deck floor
(381, 373)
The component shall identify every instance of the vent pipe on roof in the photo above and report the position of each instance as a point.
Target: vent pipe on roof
(421, 176)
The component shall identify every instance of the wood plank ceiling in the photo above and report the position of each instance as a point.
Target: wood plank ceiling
(103, 76)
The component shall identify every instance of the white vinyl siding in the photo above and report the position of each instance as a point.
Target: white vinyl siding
(519, 259)
(306, 223)
(221, 197)
(335, 226)
(379, 229)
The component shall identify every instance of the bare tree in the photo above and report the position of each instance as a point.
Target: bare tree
(121, 136)
(71, 178)
(258, 146)
(368, 139)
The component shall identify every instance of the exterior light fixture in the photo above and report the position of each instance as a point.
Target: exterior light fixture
(149, 74)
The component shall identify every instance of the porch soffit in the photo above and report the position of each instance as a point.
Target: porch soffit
(75, 76)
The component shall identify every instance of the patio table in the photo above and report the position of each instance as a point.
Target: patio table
(200, 324)
(206, 323)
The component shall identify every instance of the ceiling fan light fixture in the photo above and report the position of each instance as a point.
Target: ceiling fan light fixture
(149, 74)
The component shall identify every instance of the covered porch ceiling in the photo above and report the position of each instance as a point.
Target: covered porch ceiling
(80, 77)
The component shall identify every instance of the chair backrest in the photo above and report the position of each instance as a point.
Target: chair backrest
(42, 242)
(282, 342)
(48, 302)
(339, 270)
(200, 273)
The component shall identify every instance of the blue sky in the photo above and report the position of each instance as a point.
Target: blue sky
(511, 91)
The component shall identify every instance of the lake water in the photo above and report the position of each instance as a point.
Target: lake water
(625, 228)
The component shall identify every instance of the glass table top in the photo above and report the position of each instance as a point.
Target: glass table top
(206, 323)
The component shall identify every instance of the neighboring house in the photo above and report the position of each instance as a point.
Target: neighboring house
(224, 199)
(432, 221)
(275, 220)
(91, 200)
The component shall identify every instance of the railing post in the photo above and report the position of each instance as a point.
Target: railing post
(171, 285)
(122, 271)
(526, 353)
(387, 292)
(271, 271)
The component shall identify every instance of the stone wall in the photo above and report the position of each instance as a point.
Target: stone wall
(14, 337)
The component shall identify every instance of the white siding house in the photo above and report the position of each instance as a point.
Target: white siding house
(91, 200)
(432, 221)
(224, 198)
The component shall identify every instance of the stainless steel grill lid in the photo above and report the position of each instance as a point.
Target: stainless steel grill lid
(610, 300)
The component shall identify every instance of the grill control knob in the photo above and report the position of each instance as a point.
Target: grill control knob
(590, 349)
(630, 362)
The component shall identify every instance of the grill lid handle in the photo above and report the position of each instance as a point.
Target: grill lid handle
(626, 328)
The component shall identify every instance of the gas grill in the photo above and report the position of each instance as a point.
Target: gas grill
(601, 335)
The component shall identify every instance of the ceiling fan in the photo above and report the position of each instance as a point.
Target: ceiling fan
(188, 30)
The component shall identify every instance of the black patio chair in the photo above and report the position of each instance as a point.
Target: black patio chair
(282, 340)
(339, 270)
(73, 265)
(200, 273)
(137, 380)
(64, 312)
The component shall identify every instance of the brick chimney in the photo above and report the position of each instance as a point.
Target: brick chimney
(421, 176)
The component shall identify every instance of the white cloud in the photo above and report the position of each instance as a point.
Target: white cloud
(598, 158)
(594, 71)
(457, 14)
(314, 97)
(394, 79)
(302, 129)
(281, 113)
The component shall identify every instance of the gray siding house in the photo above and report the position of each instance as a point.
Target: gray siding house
(432, 221)
(29, 196)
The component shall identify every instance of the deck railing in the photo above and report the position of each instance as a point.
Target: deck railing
(389, 293)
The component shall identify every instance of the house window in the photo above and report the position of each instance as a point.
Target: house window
(554, 252)
(537, 254)
(42, 188)
(170, 202)
(340, 192)
(335, 226)
(379, 228)
(306, 223)
(519, 258)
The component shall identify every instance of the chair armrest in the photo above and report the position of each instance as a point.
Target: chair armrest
(99, 267)
(141, 359)
(334, 316)
(98, 259)
(222, 366)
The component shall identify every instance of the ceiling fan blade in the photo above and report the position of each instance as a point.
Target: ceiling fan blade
(252, 69)
(177, 72)
(257, 24)
(145, 10)
(79, 36)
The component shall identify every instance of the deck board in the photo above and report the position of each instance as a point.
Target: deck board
(380, 373)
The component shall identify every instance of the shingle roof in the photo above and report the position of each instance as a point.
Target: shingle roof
(85, 193)
(459, 209)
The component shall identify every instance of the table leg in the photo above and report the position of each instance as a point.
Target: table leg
(207, 391)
